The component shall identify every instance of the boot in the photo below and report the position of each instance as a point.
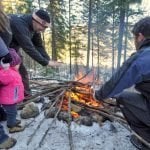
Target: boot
(137, 143)
(8, 143)
(16, 128)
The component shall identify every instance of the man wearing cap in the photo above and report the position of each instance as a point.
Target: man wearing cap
(26, 35)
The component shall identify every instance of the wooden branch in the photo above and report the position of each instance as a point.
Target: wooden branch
(38, 96)
(43, 137)
(141, 139)
(33, 134)
(39, 83)
(57, 99)
(135, 134)
(39, 125)
(69, 125)
(109, 116)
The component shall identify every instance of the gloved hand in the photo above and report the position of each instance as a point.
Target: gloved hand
(54, 63)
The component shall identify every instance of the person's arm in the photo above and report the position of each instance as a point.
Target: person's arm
(37, 41)
(129, 74)
(22, 36)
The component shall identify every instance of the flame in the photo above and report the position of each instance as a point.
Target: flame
(83, 98)
(82, 94)
(87, 79)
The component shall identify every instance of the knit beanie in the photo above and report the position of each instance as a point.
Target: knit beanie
(3, 49)
(16, 60)
(42, 17)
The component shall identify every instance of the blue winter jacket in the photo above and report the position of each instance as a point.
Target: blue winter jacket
(135, 71)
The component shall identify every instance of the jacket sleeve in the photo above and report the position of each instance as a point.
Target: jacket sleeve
(22, 36)
(129, 74)
(37, 41)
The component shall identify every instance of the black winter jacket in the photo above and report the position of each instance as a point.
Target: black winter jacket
(23, 36)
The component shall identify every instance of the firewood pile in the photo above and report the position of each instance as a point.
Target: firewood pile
(70, 101)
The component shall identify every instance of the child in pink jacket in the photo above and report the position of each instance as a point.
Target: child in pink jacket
(11, 90)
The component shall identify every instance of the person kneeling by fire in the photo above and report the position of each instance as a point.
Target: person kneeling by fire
(134, 72)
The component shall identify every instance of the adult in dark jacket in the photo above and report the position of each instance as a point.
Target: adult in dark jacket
(135, 71)
(26, 35)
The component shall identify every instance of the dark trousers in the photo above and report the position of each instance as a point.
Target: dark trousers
(3, 115)
(136, 109)
(11, 111)
(3, 136)
(25, 79)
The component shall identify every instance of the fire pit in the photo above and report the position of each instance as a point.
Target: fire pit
(70, 101)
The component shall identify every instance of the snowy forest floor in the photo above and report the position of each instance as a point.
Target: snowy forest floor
(109, 136)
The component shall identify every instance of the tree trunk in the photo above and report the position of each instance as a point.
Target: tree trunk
(126, 33)
(52, 11)
(113, 44)
(70, 38)
(89, 33)
(121, 32)
(98, 49)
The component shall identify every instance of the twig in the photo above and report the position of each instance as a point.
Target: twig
(43, 137)
(38, 97)
(141, 139)
(85, 75)
(134, 133)
(31, 137)
(110, 116)
(39, 125)
(69, 124)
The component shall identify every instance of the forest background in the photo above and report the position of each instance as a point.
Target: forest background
(90, 34)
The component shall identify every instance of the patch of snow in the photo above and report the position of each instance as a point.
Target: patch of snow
(110, 136)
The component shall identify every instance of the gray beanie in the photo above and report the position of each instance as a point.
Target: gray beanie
(3, 48)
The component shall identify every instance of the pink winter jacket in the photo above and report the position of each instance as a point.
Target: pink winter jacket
(11, 86)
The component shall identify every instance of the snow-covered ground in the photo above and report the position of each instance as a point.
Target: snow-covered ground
(110, 136)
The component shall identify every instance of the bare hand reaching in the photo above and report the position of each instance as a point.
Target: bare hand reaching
(54, 63)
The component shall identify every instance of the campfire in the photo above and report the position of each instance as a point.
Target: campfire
(79, 94)
(70, 101)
